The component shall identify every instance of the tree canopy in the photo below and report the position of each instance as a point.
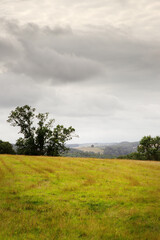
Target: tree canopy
(149, 148)
(39, 136)
(6, 148)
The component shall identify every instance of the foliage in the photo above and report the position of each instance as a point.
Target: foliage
(41, 139)
(150, 148)
(6, 147)
(133, 156)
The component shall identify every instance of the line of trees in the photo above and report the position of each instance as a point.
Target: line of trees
(40, 138)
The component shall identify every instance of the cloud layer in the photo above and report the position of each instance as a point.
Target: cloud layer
(61, 55)
(93, 65)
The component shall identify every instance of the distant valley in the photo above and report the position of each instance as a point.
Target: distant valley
(102, 149)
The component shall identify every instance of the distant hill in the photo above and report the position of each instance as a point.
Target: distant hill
(89, 144)
(102, 150)
(122, 148)
(72, 145)
(91, 149)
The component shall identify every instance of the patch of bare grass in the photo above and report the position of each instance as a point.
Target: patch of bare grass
(89, 181)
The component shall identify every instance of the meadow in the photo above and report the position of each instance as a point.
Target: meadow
(55, 198)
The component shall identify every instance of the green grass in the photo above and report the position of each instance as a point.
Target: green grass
(51, 198)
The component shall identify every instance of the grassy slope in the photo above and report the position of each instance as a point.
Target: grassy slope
(65, 198)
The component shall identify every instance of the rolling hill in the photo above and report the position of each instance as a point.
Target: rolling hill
(110, 150)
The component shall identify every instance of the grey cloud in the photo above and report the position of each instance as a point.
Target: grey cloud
(7, 50)
(114, 49)
(61, 55)
(41, 60)
(48, 64)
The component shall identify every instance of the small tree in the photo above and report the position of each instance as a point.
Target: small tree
(149, 147)
(42, 139)
(6, 148)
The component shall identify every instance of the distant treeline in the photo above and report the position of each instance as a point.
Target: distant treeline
(147, 149)
(81, 154)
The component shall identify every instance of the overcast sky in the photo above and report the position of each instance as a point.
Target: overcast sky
(92, 64)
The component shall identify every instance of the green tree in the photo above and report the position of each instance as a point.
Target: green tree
(23, 117)
(6, 148)
(149, 147)
(40, 138)
(56, 143)
(43, 132)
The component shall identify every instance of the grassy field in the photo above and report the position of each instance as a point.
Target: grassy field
(69, 199)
